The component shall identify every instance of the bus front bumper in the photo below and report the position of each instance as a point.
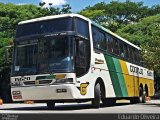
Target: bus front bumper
(50, 92)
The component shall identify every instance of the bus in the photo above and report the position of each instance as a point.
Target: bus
(69, 58)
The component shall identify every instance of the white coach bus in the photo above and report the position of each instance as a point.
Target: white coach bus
(69, 58)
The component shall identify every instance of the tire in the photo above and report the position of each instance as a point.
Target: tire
(97, 96)
(140, 99)
(142, 96)
(50, 105)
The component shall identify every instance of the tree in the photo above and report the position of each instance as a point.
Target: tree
(55, 11)
(116, 14)
(141, 32)
(66, 9)
(151, 53)
(146, 34)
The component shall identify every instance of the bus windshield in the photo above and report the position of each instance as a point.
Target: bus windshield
(46, 56)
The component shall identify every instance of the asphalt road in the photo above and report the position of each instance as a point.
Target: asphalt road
(152, 106)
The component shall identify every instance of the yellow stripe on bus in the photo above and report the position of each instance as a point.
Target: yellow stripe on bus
(128, 78)
(133, 82)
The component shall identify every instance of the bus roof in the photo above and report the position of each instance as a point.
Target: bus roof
(53, 17)
(80, 16)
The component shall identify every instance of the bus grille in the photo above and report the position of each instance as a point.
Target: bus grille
(41, 82)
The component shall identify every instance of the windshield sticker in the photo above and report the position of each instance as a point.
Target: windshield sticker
(17, 68)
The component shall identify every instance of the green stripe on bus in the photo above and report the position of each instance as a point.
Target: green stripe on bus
(117, 78)
(113, 75)
(120, 77)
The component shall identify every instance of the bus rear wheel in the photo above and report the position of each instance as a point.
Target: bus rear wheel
(50, 105)
(142, 95)
(97, 96)
(141, 98)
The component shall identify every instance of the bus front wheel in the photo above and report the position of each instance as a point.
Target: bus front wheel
(97, 96)
(50, 105)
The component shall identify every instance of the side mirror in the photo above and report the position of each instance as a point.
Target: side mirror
(8, 53)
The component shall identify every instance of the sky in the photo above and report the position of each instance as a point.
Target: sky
(76, 5)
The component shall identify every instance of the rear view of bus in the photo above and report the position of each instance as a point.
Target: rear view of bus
(69, 58)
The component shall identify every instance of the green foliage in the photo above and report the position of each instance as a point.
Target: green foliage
(146, 34)
(55, 11)
(151, 49)
(11, 14)
(115, 15)
(66, 9)
(140, 32)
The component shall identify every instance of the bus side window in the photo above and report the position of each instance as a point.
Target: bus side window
(110, 45)
(95, 37)
(103, 44)
(121, 49)
(82, 27)
(107, 39)
(125, 51)
(138, 56)
(115, 46)
(131, 53)
(99, 40)
(135, 55)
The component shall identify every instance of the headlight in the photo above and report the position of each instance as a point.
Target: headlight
(65, 80)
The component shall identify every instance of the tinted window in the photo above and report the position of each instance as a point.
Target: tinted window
(121, 49)
(82, 27)
(136, 55)
(44, 27)
(26, 55)
(82, 57)
(115, 46)
(99, 40)
(131, 54)
(125, 51)
(110, 44)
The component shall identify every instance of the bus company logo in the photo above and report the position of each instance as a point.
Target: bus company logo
(83, 88)
(136, 70)
(22, 78)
